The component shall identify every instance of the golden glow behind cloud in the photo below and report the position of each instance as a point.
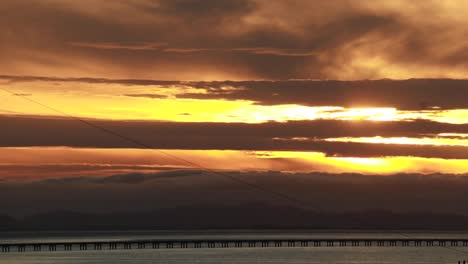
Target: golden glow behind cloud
(165, 62)
(30, 163)
(438, 141)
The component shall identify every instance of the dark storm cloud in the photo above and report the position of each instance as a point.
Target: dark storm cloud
(411, 94)
(242, 39)
(16, 132)
(437, 193)
(36, 169)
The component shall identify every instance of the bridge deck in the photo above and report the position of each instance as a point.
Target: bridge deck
(227, 243)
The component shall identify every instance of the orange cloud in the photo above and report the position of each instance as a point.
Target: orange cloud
(244, 39)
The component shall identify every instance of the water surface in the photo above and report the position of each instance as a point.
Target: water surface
(341, 255)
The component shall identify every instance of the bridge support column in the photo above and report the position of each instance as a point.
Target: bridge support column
(83, 246)
(67, 247)
(52, 248)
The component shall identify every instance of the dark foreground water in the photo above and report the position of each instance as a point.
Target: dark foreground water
(232, 255)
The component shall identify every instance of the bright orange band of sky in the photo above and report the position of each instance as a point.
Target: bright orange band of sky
(35, 163)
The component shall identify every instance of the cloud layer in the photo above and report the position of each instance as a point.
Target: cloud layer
(412, 94)
(438, 193)
(243, 86)
(271, 136)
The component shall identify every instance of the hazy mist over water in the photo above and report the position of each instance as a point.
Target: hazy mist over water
(243, 255)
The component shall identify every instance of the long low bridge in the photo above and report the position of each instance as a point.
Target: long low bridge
(231, 243)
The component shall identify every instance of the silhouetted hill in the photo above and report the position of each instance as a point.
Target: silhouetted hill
(8, 223)
(245, 217)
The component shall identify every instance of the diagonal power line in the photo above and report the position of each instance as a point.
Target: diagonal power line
(141, 144)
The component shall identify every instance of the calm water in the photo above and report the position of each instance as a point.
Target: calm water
(232, 255)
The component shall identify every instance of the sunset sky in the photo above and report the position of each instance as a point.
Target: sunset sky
(291, 88)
